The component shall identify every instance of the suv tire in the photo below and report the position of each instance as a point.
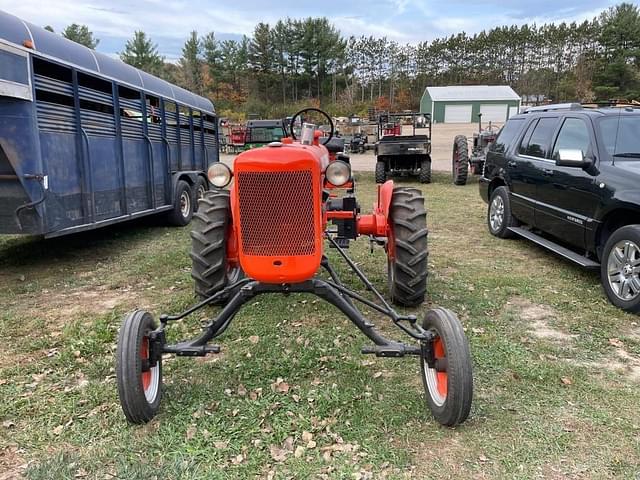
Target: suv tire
(620, 268)
(499, 216)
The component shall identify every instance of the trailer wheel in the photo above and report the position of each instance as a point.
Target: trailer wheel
(182, 211)
(210, 269)
(460, 161)
(381, 175)
(407, 247)
(201, 187)
(139, 382)
(425, 171)
(447, 377)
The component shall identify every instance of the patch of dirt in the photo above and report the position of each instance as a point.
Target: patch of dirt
(538, 317)
(59, 306)
(622, 363)
(12, 465)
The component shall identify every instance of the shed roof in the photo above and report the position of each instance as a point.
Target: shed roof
(472, 93)
(15, 30)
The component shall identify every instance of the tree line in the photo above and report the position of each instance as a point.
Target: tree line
(307, 61)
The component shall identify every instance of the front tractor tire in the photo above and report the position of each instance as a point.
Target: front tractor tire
(407, 251)
(381, 174)
(447, 372)
(210, 269)
(460, 160)
(139, 379)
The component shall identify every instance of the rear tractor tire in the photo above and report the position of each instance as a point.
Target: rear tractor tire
(381, 174)
(407, 251)
(210, 269)
(425, 171)
(460, 160)
(447, 377)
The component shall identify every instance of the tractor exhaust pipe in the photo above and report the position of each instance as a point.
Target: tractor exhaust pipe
(479, 123)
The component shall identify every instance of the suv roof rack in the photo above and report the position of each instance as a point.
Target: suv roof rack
(554, 106)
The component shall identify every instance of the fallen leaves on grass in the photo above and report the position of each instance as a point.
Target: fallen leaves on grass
(280, 386)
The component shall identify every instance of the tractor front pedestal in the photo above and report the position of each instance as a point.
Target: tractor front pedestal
(438, 341)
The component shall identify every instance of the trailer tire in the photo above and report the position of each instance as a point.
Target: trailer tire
(460, 160)
(200, 188)
(210, 269)
(448, 384)
(381, 175)
(139, 383)
(425, 171)
(407, 250)
(182, 211)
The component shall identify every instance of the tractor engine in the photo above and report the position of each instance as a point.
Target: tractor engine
(277, 213)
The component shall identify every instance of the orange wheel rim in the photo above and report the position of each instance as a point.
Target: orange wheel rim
(442, 378)
(144, 355)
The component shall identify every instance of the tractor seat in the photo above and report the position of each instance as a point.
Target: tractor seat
(335, 145)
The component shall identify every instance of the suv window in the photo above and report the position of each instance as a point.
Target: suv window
(535, 144)
(507, 134)
(573, 135)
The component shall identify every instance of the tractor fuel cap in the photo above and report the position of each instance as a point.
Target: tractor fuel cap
(275, 144)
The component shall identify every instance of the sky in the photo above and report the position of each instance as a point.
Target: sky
(168, 22)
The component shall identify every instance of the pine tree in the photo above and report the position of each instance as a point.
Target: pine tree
(142, 53)
(80, 34)
(191, 64)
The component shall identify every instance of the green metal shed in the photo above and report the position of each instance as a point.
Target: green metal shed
(462, 104)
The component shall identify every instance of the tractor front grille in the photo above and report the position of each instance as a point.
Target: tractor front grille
(277, 213)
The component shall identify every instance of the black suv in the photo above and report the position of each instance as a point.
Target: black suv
(568, 178)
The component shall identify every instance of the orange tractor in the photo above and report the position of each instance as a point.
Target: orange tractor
(267, 233)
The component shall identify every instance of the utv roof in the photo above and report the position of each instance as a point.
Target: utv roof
(16, 31)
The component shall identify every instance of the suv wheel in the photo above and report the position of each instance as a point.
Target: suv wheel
(499, 217)
(620, 268)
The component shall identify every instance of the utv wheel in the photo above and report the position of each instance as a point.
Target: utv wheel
(381, 175)
(620, 268)
(211, 225)
(182, 205)
(448, 382)
(460, 162)
(499, 216)
(139, 383)
(425, 171)
(201, 187)
(407, 247)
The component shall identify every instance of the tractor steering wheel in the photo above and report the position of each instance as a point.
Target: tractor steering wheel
(312, 109)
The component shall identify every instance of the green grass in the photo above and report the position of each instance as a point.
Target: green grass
(63, 301)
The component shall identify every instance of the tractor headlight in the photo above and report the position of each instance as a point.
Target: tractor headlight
(219, 175)
(338, 173)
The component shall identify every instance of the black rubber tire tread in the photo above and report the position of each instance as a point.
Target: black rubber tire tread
(129, 367)
(629, 232)
(508, 220)
(457, 405)
(408, 219)
(461, 146)
(425, 171)
(209, 243)
(381, 175)
(174, 217)
(199, 182)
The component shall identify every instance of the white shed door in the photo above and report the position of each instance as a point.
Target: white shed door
(494, 113)
(457, 114)
(513, 111)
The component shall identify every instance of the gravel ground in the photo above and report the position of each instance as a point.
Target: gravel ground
(442, 144)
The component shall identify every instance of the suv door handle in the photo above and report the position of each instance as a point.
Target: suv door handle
(512, 163)
(547, 171)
